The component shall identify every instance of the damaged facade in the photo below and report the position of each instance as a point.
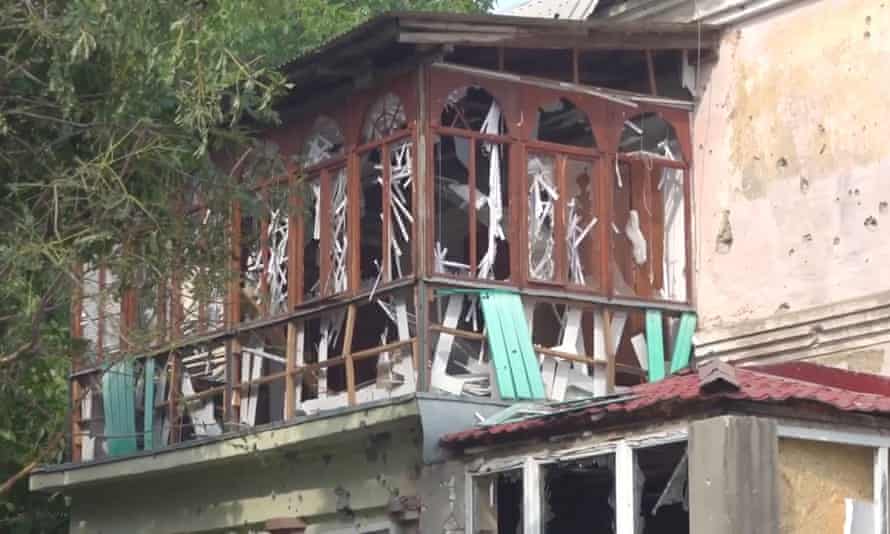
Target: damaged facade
(479, 214)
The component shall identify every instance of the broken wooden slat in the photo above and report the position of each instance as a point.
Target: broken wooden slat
(290, 388)
(148, 416)
(683, 342)
(515, 361)
(655, 345)
(118, 393)
(497, 342)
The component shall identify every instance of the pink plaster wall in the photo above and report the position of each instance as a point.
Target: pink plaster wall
(792, 139)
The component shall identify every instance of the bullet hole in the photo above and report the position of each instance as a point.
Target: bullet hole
(867, 34)
(821, 128)
(783, 307)
(868, 19)
(837, 241)
(791, 252)
(807, 238)
(856, 192)
(781, 162)
(822, 150)
(724, 236)
(804, 185)
(871, 223)
(882, 207)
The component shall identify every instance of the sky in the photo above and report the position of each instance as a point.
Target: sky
(501, 5)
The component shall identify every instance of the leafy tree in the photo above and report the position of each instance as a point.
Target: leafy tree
(107, 107)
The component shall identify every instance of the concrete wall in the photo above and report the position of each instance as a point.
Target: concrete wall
(792, 163)
(343, 483)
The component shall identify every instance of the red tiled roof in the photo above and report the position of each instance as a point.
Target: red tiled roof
(834, 388)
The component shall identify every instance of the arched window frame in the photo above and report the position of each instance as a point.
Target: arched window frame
(444, 85)
(582, 270)
(388, 146)
(627, 165)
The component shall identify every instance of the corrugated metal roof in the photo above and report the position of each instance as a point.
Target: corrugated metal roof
(560, 9)
(841, 390)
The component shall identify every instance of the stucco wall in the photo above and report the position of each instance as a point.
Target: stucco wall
(359, 474)
(792, 153)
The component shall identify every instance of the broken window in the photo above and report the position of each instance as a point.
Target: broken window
(371, 218)
(385, 205)
(337, 267)
(497, 503)
(471, 190)
(560, 122)
(649, 248)
(385, 117)
(401, 205)
(578, 496)
(561, 220)
(277, 232)
(563, 244)
(311, 228)
(325, 142)
(664, 489)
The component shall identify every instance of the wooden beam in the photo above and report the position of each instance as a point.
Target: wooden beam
(347, 353)
(610, 351)
(290, 403)
(650, 68)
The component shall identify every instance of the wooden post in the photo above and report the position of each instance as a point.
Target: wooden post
(650, 68)
(576, 71)
(347, 353)
(610, 351)
(290, 402)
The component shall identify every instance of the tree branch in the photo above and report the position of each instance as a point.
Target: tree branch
(25, 471)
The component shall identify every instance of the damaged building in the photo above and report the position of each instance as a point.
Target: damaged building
(548, 273)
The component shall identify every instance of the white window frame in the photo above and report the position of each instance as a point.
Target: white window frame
(625, 455)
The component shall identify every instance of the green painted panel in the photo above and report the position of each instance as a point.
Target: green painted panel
(148, 417)
(514, 348)
(118, 400)
(532, 370)
(655, 345)
(683, 342)
(497, 345)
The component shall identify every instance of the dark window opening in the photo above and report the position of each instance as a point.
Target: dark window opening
(664, 503)
(498, 500)
(561, 122)
(578, 496)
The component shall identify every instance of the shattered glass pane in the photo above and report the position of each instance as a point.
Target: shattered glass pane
(648, 231)
(581, 237)
(311, 238)
(452, 197)
(492, 205)
(401, 168)
(371, 218)
(324, 142)
(277, 238)
(386, 116)
(473, 108)
(561, 122)
(338, 279)
(650, 133)
(542, 198)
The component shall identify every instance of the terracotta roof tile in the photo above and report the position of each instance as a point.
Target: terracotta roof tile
(835, 388)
